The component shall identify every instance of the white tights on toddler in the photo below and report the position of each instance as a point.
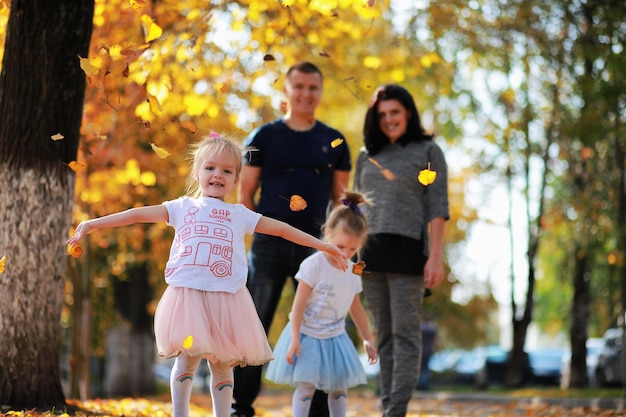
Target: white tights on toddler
(181, 385)
(303, 395)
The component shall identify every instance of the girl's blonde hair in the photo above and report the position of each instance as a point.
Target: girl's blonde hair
(212, 144)
(350, 214)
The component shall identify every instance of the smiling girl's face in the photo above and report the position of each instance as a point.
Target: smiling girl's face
(217, 174)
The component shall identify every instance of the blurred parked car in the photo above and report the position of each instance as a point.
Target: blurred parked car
(493, 366)
(545, 365)
(594, 347)
(481, 366)
(609, 367)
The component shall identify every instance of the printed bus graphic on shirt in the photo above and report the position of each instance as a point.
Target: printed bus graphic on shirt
(203, 243)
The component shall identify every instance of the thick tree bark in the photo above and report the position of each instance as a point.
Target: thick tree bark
(580, 320)
(41, 94)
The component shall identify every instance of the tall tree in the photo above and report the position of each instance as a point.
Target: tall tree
(41, 96)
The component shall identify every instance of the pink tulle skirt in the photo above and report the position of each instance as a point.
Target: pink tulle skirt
(220, 326)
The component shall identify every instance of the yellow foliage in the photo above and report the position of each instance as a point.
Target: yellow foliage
(152, 30)
(372, 62)
(398, 75)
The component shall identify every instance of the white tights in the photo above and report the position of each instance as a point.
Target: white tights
(302, 396)
(181, 384)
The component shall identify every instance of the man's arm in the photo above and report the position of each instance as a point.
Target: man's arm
(340, 184)
(248, 185)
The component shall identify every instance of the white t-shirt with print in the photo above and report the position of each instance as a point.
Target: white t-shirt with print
(331, 297)
(208, 252)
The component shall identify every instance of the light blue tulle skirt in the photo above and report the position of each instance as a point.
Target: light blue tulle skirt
(329, 364)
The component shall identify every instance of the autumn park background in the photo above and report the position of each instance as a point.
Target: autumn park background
(525, 96)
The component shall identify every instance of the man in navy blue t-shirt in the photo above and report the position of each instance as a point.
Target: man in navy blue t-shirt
(296, 155)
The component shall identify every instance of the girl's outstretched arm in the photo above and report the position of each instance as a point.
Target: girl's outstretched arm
(148, 214)
(297, 314)
(360, 321)
(269, 226)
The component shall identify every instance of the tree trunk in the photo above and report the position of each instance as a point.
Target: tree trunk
(580, 321)
(41, 94)
(130, 349)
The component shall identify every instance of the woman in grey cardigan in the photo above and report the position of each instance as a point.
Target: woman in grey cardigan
(402, 257)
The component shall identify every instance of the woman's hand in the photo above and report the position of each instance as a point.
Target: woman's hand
(433, 272)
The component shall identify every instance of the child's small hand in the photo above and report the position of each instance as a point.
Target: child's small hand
(81, 230)
(293, 351)
(372, 353)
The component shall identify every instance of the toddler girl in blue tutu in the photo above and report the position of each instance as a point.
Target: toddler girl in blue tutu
(314, 350)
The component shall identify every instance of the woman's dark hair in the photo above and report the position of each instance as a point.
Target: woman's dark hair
(374, 138)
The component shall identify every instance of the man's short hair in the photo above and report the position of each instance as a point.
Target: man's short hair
(305, 67)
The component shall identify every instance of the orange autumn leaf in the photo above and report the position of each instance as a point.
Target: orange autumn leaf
(76, 251)
(188, 342)
(189, 125)
(358, 268)
(283, 107)
(426, 176)
(56, 137)
(386, 172)
(76, 166)
(3, 262)
(297, 203)
(137, 4)
(336, 142)
(162, 153)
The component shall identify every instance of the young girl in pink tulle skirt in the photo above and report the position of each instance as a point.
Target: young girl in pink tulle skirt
(206, 310)
(314, 350)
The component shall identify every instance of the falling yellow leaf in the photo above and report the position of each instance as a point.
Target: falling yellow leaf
(297, 203)
(336, 142)
(151, 30)
(188, 342)
(76, 166)
(426, 176)
(58, 136)
(3, 262)
(76, 251)
(155, 106)
(87, 67)
(162, 153)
